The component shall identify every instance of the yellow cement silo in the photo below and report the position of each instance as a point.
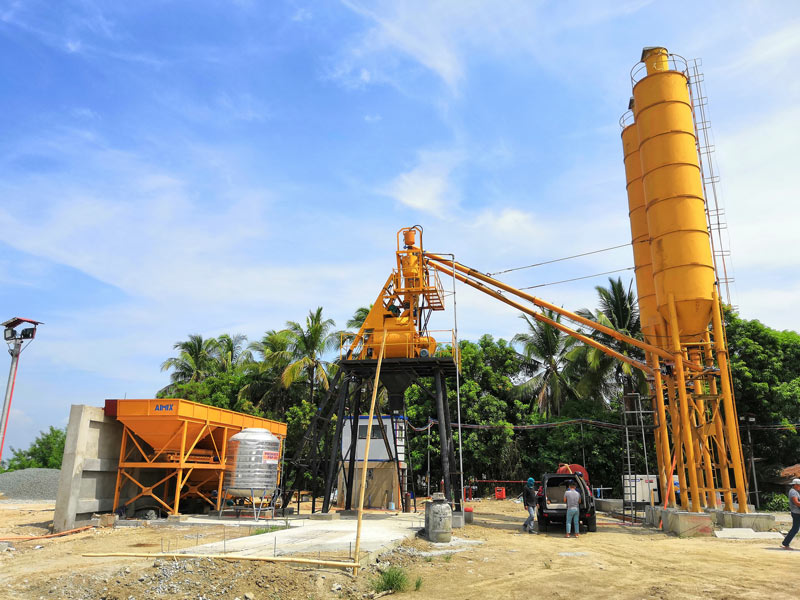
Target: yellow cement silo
(673, 195)
(640, 238)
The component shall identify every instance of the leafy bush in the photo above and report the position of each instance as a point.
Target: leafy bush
(777, 503)
(418, 584)
(393, 579)
(45, 452)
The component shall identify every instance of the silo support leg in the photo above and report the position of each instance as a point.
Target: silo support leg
(686, 422)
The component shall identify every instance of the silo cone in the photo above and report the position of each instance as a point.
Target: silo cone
(673, 195)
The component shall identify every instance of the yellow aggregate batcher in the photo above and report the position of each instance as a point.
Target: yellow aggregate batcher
(678, 288)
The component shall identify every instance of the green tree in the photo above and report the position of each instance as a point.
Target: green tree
(264, 388)
(194, 362)
(230, 352)
(765, 365)
(358, 318)
(601, 375)
(46, 452)
(307, 345)
(547, 346)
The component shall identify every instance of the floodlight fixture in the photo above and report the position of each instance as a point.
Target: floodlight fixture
(15, 346)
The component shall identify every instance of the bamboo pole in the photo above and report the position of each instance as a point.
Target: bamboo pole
(366, 454)
(282, 559)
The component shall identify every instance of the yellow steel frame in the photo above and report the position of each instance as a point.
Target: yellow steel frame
(179, 466)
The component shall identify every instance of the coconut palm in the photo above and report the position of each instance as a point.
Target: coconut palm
(231, 352)
(548, 347)
(358, 318)
(307, 345)
(194, 362)
(265, 388)
(602, 374)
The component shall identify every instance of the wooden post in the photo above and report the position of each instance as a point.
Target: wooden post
(356, 557)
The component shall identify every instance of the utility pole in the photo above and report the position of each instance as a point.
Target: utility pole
(15, 346)
(748, 421)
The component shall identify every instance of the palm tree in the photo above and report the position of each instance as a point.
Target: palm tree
(544, 344)
(358, 318)
(194, 362)
(604, 375)
(265, 388)
(306, 347)
(231, 353)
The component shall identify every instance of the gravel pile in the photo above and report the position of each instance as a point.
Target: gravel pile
(30, 484)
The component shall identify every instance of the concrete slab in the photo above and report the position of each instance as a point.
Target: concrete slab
(755, 521)
(687, 524)
(745, 533)
(329, 516)
(377, 535)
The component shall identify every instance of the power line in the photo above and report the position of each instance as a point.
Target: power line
(530, 287)
(555, 260)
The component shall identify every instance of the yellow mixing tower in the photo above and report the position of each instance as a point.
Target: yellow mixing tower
(673, 195)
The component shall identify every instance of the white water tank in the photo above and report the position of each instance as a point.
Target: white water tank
(252, 462)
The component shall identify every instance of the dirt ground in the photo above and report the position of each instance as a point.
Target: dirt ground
(619, 561)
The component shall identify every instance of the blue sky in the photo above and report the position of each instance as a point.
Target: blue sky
(205, 167)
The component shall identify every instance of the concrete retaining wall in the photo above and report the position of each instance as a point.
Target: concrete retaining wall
(89, 467)
(608, 505)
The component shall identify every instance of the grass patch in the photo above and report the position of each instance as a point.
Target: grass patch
(428, 559)
(269, 529)
(418, 584)
(448, 557)
(393, 579)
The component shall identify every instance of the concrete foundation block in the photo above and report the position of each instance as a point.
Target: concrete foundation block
(329, 516)
(686, 524)
(458, 519)
(726, 519)
(755, 521)
(716, 516)
(668, 515)
(177, 518)
(107, 520)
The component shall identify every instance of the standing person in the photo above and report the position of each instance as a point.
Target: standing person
(572, 498)
(794, 510)
(529, 499)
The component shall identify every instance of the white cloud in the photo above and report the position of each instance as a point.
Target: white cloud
(428, 187)
(372, 118)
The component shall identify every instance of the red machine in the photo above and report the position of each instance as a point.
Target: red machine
(574, 468)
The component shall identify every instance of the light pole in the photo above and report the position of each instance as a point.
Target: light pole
(748, 421)
(15, 343)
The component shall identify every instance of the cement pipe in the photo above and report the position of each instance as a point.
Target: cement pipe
(556, 309)
(277, 559)
(540, 317)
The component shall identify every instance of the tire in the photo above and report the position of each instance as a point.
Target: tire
(592, 524)
(543, 521)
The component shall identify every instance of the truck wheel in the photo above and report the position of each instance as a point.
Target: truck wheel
(592, 525)
(543, 522)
